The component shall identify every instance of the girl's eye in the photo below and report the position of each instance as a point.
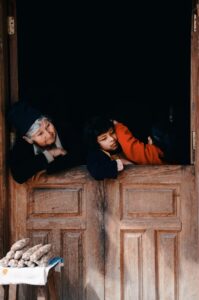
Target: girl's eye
(103, 138)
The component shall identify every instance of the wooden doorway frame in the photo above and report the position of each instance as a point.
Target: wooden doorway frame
(6, 97)
(194, 98)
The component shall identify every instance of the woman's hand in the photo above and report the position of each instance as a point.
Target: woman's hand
(57, 152)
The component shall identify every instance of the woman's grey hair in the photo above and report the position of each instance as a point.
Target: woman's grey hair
(35, 126)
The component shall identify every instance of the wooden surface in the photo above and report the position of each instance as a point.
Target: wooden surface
(71, 218)
(130, 238)
(13, 54)
(195, 94)
(4, 219)
(154, 243)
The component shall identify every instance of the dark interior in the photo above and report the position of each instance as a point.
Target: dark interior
(129, 63)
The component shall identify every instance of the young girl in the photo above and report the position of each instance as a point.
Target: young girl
(105, 158)
(111, 146)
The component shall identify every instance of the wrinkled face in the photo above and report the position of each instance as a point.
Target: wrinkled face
(108, 140)
(45, 135)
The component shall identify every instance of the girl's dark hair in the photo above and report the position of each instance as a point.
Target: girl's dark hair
(94, 127)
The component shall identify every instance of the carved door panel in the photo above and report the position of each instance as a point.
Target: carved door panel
(67, 211)
(151, 235)
(147, 219)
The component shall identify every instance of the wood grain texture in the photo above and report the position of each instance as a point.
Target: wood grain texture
(151, 244)
(4, 137)
(68, 213)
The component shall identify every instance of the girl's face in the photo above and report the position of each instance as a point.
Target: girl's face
(108, 140)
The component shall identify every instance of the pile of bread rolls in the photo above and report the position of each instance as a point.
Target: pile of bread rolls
(22, 255)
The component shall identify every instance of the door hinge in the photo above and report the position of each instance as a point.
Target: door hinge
(11, 25)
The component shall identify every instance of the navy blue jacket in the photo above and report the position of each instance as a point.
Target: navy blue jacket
(24, 163)
(101, 166)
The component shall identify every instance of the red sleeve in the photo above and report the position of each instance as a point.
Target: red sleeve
(135, 150)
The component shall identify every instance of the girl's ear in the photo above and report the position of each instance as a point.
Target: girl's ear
(28, 140)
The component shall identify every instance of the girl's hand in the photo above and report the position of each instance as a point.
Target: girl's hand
(150, 141)
(126, 161)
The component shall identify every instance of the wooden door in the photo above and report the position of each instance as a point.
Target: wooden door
(65, 210)
(151, 235)
(131, 238)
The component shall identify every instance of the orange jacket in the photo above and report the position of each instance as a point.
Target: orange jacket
(135, 150)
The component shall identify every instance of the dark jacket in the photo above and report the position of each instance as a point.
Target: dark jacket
(101, 166)
(24, 163)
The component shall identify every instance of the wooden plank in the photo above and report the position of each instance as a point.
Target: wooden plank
(131, 265)
(13, 292)
(13, 54)
(167, 256)
(4, 213)
(94, 242)
(149, 270)
(52, 286)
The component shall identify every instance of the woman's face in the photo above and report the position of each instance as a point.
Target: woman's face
(45, 135)
(108, 140)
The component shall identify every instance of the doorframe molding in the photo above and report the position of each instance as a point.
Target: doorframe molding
(4, 96)
(194, 81)
(194, 101)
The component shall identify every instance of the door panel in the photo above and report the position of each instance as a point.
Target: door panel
(130, 238)
(151, 235)
(67, 211)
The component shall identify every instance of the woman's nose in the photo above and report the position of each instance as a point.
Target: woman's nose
(47, 133)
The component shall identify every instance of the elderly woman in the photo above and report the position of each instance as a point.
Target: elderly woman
(41, 144)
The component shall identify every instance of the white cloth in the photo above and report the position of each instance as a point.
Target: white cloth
(34, 276)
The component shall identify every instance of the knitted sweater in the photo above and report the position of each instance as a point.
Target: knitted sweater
(137, 151)
(100, 165)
